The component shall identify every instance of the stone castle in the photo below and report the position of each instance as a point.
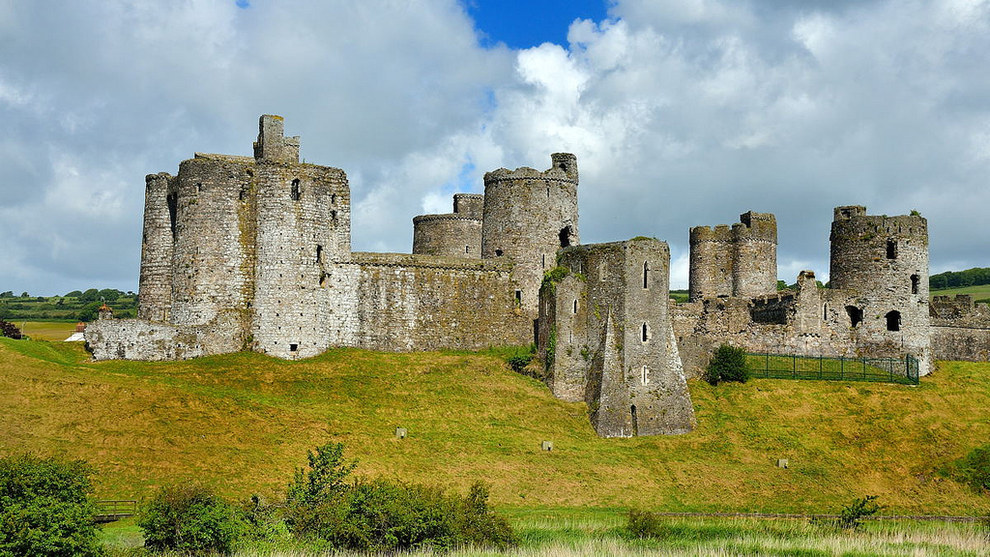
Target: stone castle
(254, 253)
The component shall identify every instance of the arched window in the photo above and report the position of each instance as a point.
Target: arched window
(635, 420)
(575, 306)
(915, 282)
(566, 236)
(646, 274)
(893, 321)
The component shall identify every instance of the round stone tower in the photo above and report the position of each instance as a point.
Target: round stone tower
(155, 284)
(880, 265)
(754, 255)
(710, 273)
(528, 216)
(456, 234)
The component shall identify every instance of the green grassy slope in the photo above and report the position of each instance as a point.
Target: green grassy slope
(977, 292)
(242, 422)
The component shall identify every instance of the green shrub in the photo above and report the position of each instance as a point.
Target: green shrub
(45, 508)
(644, 524)
(851, 515)
(727, 364)
(520, 357)
(190, 519)
(383, 515)
(972, 469)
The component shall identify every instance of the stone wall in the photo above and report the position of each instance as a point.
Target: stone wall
(606, 337)
(402, 302)
(139, 339)
(960, 329)
(528, 216)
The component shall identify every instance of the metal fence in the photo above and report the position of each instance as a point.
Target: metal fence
(881, 370)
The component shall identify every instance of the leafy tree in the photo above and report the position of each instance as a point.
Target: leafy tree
(74, 294)
(7, 294)
(89, 312)
(727, 364)
(45, 508)
(110, 294)
(25, 295)
(190, 519)
(90, 295)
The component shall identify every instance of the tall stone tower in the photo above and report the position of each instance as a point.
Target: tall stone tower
(606, 338)
(157, 248)
(880, 265)
(302, 227)
(528, 216)
(740, 261)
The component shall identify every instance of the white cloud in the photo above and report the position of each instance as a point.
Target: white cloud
(681, 114)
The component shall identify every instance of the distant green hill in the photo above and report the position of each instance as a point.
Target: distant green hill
(74, 306)
(976, 276)
(979, 293)
(242, 422)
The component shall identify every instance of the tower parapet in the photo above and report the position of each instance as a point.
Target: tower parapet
(528, 216)
(157, 247)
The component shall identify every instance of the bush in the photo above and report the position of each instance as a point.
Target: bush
(852, 514)
(45, 507)
(9, 330)
(386, 516)
(727, 364)
(644, 524)
(190, 519)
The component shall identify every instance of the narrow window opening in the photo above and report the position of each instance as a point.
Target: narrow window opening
(333, 198)
(333, 216)
(646, 332)
(319, 253)
(548, 192)
(891, 249)
(243, 193)
(293, 347)
(893, 321)
(544, 261)
(824, 312)
(635, 420)
(172, 202)
(566, 236)
(467, 249)
(855, 316)
(646, 274)
(575, 306)
(645, 376)
(199, 186)
(296, 193)
(518, 298)
(915, 282)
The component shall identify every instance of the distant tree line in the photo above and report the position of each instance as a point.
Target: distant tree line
(957, 279)
(75, 305)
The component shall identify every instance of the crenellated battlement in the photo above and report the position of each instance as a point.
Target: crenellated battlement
(740, 260)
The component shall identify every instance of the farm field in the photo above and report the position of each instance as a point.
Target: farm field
(977, 292)
(243, 422)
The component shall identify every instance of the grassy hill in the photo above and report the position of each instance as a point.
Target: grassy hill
(981, 292)
(243, 422)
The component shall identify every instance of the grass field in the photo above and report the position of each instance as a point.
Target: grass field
(47, 330)
(977, 292)
(592, 533)
(243, 422)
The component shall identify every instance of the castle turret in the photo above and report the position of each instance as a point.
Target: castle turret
(303, 232)
(272, 145)
(740, 261)
(456, 234)
(157, 243)
(754, 256)
(880, 265)
(528, 216)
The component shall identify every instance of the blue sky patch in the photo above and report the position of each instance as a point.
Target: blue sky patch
(528, 23)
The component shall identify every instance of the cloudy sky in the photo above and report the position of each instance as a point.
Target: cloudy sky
(681, 113)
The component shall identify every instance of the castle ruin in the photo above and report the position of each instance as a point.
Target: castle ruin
(254, 253)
